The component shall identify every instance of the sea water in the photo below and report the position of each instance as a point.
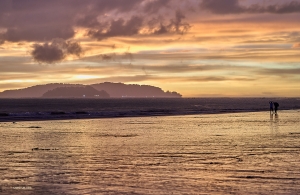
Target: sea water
(233, 153)
(44, 109)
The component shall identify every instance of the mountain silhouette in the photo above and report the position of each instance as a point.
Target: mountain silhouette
(119, 90)
(75, 92)
(114, 90)
(34, 91)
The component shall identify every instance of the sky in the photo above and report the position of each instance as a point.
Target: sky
(198, 48)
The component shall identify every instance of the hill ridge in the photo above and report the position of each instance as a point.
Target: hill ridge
(115, 90)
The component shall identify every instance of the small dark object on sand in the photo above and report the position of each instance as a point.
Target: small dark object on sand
(34, 127)
(43, 149)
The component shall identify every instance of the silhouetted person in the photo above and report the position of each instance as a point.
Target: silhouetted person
(276, 105)
(271, 107)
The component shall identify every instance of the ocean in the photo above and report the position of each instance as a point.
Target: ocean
(45, 109)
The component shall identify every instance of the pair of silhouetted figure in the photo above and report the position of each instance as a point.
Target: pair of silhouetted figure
(273, 107)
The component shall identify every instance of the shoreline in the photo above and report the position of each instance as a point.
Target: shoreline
(104, 115)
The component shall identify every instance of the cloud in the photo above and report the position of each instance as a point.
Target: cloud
(106, 57)
(154, 6)
(88, 21)
(119, 5)
(221, 7)
(73, 48)
(290, 7)
(235, 7)
(34, 21)
(118, 27)
(42, 21)
(217, 79)
(194, 68)
(296, 46)
(128, 55)
(47, 53)
(123, 79)
(38, 33)
(134, 26)
(141, 78)
(175, 26)
(157, 26)
(55, 51)
(280, 71)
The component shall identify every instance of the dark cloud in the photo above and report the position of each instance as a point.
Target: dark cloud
(290, 7)
(44, 20)
(38, 33)
(47, 53)
(180, 27)
(88, 21)
(36, 20)
(73, 48)
(222, 7)
(235, 7)
(55, 51)
(120, 5)
(175, 26)
(119, 27)
(154, 6)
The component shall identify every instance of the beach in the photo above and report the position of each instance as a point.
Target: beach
(231, 153)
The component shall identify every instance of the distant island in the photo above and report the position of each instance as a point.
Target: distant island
(99, 90)
(75, 92)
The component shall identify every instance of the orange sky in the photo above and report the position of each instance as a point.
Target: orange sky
(197, 48)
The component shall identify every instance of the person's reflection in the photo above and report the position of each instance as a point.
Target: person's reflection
(276, 119)
(274, 123)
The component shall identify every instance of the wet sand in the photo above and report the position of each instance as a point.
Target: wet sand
(238, 153)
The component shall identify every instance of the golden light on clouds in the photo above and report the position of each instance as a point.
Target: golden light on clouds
(195, 47)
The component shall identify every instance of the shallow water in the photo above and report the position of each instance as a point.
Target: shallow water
(240, 153)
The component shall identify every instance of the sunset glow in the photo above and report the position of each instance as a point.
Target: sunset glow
(199, 48)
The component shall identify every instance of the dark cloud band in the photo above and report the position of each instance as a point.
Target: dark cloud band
(235, 7)
(55, 51)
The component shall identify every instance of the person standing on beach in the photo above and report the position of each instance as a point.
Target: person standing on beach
(276, 105)
(271, 107)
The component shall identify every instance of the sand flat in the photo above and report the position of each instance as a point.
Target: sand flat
(239, 153)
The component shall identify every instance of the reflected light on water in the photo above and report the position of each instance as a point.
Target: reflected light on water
(220, 153)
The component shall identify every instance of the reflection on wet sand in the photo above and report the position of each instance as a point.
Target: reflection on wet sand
(274, 123)
(222, 153)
